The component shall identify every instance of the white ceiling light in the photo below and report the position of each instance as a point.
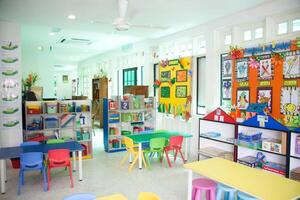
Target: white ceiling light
(40, 48)
(52, 33)
(72, 17)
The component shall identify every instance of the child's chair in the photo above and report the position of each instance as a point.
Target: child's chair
(113, 197)
(148, 196)
(228, 192)
(175, 144)
(204, 185)
(59, 158)
(29, 143)
(31, 161)
(244, 196)
(55, 141)
(156, 147)
(131, 149)
(81, 196)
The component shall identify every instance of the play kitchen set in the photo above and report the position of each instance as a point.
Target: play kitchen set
(59, 120)
(126, 115)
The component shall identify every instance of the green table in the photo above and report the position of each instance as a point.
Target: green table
(146, 137)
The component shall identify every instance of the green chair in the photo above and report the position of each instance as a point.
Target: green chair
(156, 147)
(55, 141)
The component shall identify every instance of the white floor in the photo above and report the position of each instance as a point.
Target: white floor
(102, 176)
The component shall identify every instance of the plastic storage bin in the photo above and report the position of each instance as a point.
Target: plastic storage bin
(51, 123)
(51, 108)
(249, 137)
(86, 136)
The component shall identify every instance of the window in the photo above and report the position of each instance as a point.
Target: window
(247, 35)
(282, 28)
(259, 33)
(296, 25)
(227, 39)
(201, 62)
(130, 76)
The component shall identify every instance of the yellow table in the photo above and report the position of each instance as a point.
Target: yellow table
(113, 197)
(255, 182)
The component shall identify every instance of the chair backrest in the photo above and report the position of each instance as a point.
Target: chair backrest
(128, 143)
(32, 160)
(176, 141)
(59, 157)
(29, 143)
(81, 196)
(55, 141)
(148, 196)
(157, 143)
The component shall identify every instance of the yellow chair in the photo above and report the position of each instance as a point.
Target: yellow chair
(113, 197)
(148, 196)
(133, 150)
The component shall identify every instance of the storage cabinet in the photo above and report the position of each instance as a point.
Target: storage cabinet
(100, 91)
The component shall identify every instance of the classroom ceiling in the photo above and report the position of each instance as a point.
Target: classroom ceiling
(94, 20)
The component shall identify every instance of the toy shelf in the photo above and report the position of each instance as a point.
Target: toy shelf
(66, 119)
(123, 116)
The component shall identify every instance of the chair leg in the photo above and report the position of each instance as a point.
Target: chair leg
(71, 177)
(49, 177)
(219, 194)
(182, 157)
(124, 159)
(212, 194)
(168, 159)
(45, 179)
(136, 156)
(175, 156)
(144, 161)
(20, 182)
(23, 177)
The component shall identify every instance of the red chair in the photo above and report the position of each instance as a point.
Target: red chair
(175, 144)
(59, 158)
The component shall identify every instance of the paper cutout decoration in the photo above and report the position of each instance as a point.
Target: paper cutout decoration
(165, 76)
(165, 92)
(181, 75)
(226, 89)
(265, 68)
(292, 66)
(219, 115)
(242, 99)
(181, 91)
(242, 69)
(227, 68)
(264, 96)
(270, 122)
(290, 100)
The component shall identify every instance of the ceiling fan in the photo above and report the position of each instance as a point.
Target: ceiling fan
(121, 23)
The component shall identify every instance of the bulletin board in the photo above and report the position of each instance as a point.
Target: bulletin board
(174, 85)
(267, 74)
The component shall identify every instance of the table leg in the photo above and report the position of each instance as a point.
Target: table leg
(2, 175)
(140, 155)
(186, 149)
(80, 164)
(130, 158)
(190, 182)
(74, 160)
(5, 174)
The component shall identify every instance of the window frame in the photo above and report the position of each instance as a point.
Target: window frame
(197, 84)
(135, 70)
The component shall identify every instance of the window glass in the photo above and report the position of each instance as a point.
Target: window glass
(259, 33)
(247, 35)
(296, 25)
(282, 28)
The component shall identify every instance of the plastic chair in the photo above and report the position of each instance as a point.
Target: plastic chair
(204, 184)
(131, 149)
(55, 141)
(59, 158)
(148, 196)
(29, 143)
(244, 196)
(113, 197)
(229, 193)
(175, 144)
(81, 196)
(31, 161)
(156, 147)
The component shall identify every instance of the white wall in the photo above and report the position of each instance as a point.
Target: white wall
(64, 89)
(187, 43)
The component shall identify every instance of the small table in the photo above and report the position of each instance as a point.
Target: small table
(14, 152)
(146, 137)
(255, 182)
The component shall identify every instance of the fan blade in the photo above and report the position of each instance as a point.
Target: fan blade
(122, 6)
(149, 26)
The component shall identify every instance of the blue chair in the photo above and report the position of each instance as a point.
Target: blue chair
(28, 162)
(29, 143)
(228, 192)
(244, 196)
(81, 196)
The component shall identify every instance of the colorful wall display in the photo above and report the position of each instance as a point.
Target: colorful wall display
(175, 87)
(268, 74)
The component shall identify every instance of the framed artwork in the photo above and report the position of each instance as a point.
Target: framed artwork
(290, 100)
(243, 98)
(65, 78)
(265, 68)
(165, 76)
(264, 95)
(242, 69)
(165, 92)
(227, 68)
(226, 89)
(291, 67)
(181, 91)
(181, 75)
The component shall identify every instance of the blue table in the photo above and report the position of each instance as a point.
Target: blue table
(14, 152)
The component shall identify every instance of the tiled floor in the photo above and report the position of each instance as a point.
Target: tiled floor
(103, 176)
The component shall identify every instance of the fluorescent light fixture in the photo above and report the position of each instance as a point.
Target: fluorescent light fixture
(51, 33)
(72, 17)
(40, 48)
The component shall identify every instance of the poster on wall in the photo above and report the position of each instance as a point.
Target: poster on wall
(265, 68)
(290, 100)
(181, 91)
(181, 75)
(165, 76)
(226, 89)
(242, 69)
(165, 92)
(243, 98)
(292, 65)
(264, 96)
(227, 68)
